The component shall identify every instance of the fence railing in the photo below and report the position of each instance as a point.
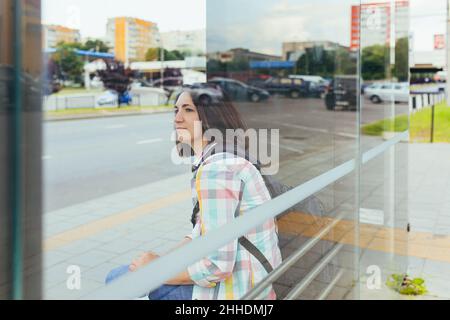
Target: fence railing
(148, 278)
(60, 102)
(425, 100)
(419, 101)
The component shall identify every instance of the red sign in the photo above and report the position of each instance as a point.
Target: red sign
(439, 41)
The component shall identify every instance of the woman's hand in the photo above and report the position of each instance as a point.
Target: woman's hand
(142, 260)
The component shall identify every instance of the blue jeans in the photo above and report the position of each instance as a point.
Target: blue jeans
(165, 292)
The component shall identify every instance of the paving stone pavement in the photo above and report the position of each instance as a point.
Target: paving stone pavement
(161, 228)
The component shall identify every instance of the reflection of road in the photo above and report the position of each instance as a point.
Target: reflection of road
(87, 159)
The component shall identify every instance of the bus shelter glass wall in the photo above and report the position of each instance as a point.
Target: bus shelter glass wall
(112, 187)
(384, 34)
(289, 68)
(20, 151)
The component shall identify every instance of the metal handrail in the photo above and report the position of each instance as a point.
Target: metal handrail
(326, 292)
(306, 281)
(286, 264)
(154, 274)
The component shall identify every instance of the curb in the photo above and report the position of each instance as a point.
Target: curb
(102, 115)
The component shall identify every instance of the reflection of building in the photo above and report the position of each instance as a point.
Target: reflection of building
(53, 34)
(429, 59)
(292, 51)
(373, 21)
(242, 54)
(131, 37)
(194, 41)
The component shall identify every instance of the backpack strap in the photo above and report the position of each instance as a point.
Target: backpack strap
(247, 244)
(243, 241)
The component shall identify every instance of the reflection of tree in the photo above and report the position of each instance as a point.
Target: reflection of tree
(70, 64)
(401, 69)
(235, 65)
(326, 63)
(374, 62)
(116, 77)
(51, 80)
(154, 54)
(95, 45)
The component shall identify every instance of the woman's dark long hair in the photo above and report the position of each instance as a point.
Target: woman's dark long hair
(215, 111)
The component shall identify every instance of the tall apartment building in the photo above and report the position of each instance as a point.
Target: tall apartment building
(131, 38)
(373, 20)
(193, 41)
(54, 34)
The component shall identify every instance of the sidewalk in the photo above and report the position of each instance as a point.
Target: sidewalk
(102, 234)
(102, 114)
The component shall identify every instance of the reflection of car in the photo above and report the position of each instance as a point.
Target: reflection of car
(379, 92)
(168, 83)
(342, 92)
(294, 88)
(109, 97)
(96, 82)
(112, 98)
(239, 91)
(207, 93)
(317, 84)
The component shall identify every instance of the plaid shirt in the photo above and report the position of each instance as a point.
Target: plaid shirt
(231, 271)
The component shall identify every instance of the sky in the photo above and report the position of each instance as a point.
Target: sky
(261, 25)
(90, 16)
(427, 18)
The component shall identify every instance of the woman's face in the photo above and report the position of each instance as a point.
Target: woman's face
(187, 122)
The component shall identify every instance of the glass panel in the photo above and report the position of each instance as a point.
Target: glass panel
(112, 187)
(20, 173)
(384, 114)
(315, 87)
(316, 116)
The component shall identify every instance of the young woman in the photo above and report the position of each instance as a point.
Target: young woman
(224, 185)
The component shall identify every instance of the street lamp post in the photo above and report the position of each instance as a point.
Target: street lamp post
(161, 58)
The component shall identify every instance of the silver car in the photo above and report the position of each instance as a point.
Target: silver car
(385, 92)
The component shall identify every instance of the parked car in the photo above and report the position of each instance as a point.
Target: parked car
(342, 92)
(113, 98)
(379, 92)
(109, 97)
(207, 93)
(294, 88)
(317, 84)
(239, 91)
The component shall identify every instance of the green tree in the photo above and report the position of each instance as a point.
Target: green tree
(70, 64)
(154, 54)
(96, 45)
(374, 64)
(401, 68)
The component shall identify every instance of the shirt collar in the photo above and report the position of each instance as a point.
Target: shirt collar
(198, 160)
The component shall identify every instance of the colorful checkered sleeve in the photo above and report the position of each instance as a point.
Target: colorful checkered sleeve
(218, 192)
(231, 271)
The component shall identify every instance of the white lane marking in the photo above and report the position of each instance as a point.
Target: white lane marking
(348, 135)
(115, 126)
(47, 157)
(149, 141)
(342, 134)
(303, 127)
(291, 149)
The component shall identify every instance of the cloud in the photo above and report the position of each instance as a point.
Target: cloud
(284, 21)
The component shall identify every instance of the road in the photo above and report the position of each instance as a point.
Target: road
(87, 159)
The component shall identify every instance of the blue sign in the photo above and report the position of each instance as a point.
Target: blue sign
(272, 64)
